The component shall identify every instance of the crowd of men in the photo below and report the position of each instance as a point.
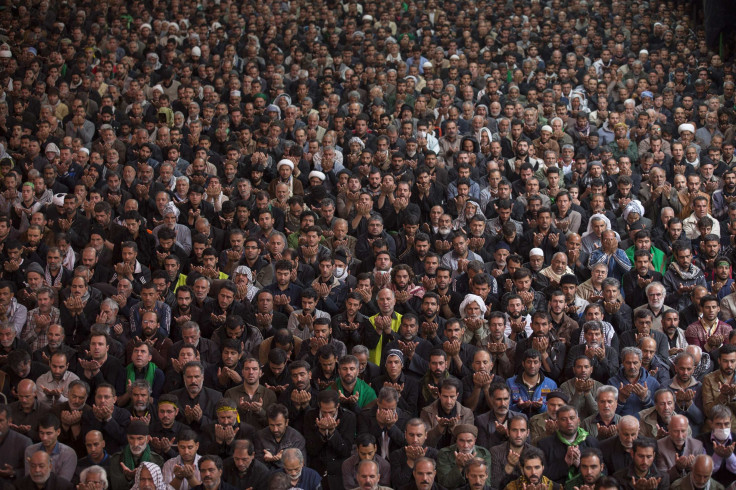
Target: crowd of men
(338, 245)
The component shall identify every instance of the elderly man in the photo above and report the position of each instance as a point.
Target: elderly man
(655, 294)
(299, 475)
(676, 452)
(617, 448)
(719, 445)
(368, 476)
(634, 383)
(700, 477)
(93, 477)
(603, 422)
(452, 459)
(137, 451)
(40, 475)
(655, 420)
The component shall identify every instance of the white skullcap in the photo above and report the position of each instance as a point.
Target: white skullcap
(686, 127)
(196, 51)
(316, 173)
(158, 87)
(547, 128)
(235, 93)
(286, 162)
(58, 199)
(85, 150)
(536, 251)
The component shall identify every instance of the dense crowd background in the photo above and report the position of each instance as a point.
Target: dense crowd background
(418, 245)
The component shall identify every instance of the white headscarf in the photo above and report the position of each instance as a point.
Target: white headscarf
(472, 298)
(590, 223)
(634, 206)
(158, 478)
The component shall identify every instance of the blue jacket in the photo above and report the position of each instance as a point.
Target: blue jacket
(634, 404)
(519, 392)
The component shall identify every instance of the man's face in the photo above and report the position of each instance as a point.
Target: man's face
(48, 436)
(590, 469)
(531, 366)
(167, 414)
(193, 379)
(438, 366)
(277, 426)
(533, 470)
(210, 474)
(448, 399)
(348, 373)
(243, 459)
(643, 459)
(95, 445)
(141, 356)
(568, 423)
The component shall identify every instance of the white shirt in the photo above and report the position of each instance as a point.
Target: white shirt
(168, 471)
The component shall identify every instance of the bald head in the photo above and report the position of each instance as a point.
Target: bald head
(702, 470)
(93, 435)
(628, 421)
(26, 386)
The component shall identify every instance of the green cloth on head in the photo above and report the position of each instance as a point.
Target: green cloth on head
(150, 373)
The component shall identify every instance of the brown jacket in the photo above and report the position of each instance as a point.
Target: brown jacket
(435, 431)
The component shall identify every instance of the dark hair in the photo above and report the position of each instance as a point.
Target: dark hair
(644, 442)
(530, 453)
(211, 457)
(275, 410)
(187, 435)
(49, 421)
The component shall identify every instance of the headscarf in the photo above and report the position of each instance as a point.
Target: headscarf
(461, 221)
(634, 206)
(472, 298)
(158, 477)
(171, 208)
(590, 223)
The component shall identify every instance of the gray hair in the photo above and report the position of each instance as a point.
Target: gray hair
(110, 303)
(611, 281)
(631, 350)
(142, 384)
(628, 420)
(359, 349)
(654, 284)
(720, 412)
(94, 470)
(293, 453)
(607, 389)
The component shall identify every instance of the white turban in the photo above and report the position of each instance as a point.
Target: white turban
(472, 298)
(686, 127)
(634, 206)
(316, 173)
(286, 162)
